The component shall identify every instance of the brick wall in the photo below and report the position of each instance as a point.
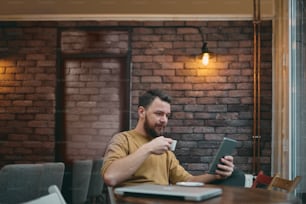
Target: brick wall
(27, 93)
(208, 102)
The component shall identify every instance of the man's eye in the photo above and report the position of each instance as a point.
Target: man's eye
(162, 114)
(159, 113)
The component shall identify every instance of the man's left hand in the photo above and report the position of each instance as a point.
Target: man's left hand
(225, 167)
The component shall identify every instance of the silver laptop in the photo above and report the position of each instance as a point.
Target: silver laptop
(170, 192)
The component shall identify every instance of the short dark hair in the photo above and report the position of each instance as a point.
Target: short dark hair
(148, 97)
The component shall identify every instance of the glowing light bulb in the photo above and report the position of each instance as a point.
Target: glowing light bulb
(205, 58)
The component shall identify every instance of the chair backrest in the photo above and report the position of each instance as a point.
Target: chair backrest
(284, 184)
(96, 183)
(261, 180)
(20, 182)
(24, 182)
(81, 173)
(53, 174)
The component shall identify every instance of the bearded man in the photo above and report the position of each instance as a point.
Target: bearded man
(142, 155)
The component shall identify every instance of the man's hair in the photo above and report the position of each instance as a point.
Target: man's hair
(148, 97)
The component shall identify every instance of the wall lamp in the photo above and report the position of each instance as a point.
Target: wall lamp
(205, 54)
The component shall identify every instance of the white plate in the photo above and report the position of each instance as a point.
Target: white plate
(190, 184)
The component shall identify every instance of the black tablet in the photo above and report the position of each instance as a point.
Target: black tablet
(226, 148)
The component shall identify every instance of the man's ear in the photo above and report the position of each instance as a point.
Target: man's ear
(141, 111)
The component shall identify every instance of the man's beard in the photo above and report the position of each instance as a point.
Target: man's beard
(149, 130)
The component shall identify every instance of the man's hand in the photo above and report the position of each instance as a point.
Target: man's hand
(225, 167)
(159, 145)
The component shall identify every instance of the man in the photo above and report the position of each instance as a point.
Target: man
(143, 155)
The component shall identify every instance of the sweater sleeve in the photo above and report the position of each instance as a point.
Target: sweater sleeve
(117, 148)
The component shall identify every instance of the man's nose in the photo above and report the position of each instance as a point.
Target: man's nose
(164, 118)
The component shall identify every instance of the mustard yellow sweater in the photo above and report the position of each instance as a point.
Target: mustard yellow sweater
(159, 169)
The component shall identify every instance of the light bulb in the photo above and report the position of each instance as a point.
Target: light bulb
(205, 58)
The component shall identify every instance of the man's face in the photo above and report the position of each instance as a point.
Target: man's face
(156, 117)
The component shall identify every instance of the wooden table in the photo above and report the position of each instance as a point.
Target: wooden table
(230, 195)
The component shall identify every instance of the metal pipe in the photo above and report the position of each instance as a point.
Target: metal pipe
(256, 86)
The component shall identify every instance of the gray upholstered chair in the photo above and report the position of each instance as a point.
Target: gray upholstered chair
(19, 182)
(23, 182)
(96, 183)
(81, 173)
(53, 173)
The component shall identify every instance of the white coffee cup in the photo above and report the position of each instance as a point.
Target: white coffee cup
(173, 145)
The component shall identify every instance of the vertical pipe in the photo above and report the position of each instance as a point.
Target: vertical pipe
(254, 86)
(258, 85)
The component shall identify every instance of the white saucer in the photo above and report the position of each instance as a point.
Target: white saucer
(190, 184)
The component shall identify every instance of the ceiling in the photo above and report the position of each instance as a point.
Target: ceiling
(132, 9)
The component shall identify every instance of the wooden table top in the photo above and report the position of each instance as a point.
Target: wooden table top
(230, 195)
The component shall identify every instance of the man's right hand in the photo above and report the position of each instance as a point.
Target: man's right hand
(158, 145)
